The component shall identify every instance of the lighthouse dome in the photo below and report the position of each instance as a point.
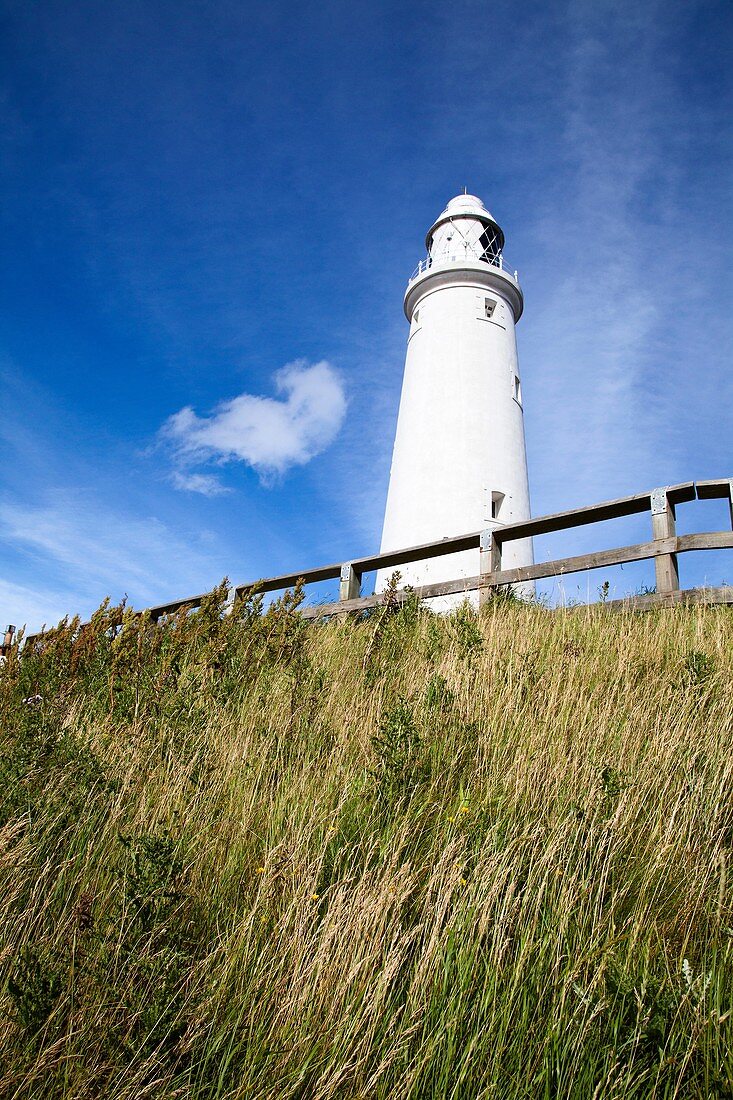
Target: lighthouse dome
(466, 218)
(463, 205)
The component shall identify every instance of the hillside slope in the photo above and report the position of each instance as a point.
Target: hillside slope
(403, 857)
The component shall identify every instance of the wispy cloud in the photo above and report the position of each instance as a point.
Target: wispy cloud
(270, 434)
(93, 552)
(604, 284)
(36, 607)
(205, 484)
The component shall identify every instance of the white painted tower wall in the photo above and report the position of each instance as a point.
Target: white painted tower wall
(459, 462)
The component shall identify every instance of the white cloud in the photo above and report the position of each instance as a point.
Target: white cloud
(269, 434)
(205, 484)
(94, 552)
(35, 606)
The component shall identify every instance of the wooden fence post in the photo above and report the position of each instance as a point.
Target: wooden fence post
(663, 527)
(7, 641)
(350, 582)
(489, 559)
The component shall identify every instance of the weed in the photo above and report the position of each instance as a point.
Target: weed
(612, 784)
(466, 631)
(503, 595)
(34, 986)
(400, 766)
(149, 879)
(697, 668)
(379, 624)
(438, 696)
(403, 856)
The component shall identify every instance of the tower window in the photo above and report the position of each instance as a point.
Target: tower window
(489, 306)
(517, 390)
(497, 499)
(416, 316)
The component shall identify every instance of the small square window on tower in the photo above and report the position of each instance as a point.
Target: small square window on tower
(497, 499)
(416, 316)
(489, 307)
(517, 390)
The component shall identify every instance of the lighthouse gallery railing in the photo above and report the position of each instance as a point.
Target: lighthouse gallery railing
(494, 261)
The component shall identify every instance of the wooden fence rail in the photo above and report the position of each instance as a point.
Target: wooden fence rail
(663, 548)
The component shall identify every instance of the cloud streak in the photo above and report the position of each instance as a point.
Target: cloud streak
(85, 552)
(605, 294)
(205, 484)
(269, 434)
(35, 607)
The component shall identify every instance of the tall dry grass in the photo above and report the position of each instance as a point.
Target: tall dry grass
(404, 857)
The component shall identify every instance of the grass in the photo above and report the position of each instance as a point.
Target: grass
(484, 855)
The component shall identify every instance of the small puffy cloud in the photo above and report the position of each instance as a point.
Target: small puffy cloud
(270, 434)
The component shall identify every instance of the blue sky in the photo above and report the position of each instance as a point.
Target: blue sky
(207, 208)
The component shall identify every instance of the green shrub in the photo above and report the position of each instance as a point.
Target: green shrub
(480, 855)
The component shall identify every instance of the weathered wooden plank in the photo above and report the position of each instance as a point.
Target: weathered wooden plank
(560, 567)
(714, 595)
(343, 607)
(705, 540)
(387, 560)
(394, 558)
(720, 490)
(289, 580)
(682, 597)
(682, 492)
(593, 513)
(423, 592)
(716, 488)
(162, 609)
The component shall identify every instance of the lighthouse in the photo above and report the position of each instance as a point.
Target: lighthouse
(459, 462)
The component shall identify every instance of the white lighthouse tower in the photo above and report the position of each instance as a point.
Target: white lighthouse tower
(459, 462)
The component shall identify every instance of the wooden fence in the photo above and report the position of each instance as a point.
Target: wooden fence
(664, 547)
